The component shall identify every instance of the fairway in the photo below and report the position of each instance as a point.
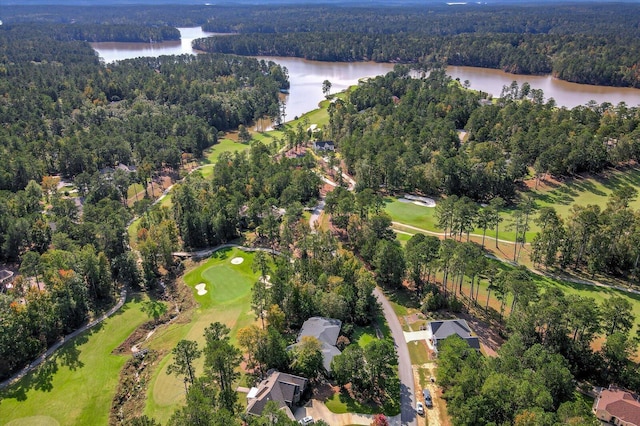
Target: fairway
(76, 385)
(586, 190)
(228, 300)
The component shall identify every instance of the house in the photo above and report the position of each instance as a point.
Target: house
(285, 389)
(326, 330)
(617, 407)
(439, 330)
(324, 146)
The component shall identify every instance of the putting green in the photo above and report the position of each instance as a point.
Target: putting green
(228, 300)
(77, 384)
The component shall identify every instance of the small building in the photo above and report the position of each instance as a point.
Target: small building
(285, 389)
(617, 407)
(327, 331)
(439, 330)
(324, 146)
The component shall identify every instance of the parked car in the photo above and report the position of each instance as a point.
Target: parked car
(306, 420)
(427, 398)
(420, 408)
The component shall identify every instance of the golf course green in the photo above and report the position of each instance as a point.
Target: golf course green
(227, 300)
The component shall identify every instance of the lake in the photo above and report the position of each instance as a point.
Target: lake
(306, 77)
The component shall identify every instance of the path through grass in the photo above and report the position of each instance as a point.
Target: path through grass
(76, 385)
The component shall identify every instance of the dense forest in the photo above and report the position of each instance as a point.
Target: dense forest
(583, 43)
(400, 133)
(67, 122)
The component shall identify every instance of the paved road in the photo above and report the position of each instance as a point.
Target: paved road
(405, 372)
(20, 374)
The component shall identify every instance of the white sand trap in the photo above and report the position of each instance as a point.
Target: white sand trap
(237, 260)
(201, 289)
(420, 201)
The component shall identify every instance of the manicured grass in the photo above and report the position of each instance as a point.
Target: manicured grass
(224, 145)
(134, 189)
(425, 218)
(418, 352)
(586, 190)
(341, 402)
(228, 300)
(77, 384)
(362, 336)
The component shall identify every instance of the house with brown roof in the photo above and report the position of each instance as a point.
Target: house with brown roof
(617, 407)
(285, 389)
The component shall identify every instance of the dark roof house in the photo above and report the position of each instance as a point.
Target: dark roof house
(617, 407)
(326, 330)
(439, 330)
(285, 389)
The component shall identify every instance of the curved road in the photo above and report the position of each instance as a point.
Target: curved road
(405, 372)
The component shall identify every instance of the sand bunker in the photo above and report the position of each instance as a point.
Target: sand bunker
(201, 289)
(237, 260)
(420, 201)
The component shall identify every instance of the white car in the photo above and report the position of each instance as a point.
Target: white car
(420, 408)
(306, 420)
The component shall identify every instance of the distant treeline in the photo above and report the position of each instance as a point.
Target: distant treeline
(599, 60)
(96, 32)
(582, 43)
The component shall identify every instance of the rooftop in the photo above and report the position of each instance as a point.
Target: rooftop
(620, 404)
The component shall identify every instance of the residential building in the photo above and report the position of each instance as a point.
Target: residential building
(327, 331)
(617, 407)
(285, 389)
(439, 330)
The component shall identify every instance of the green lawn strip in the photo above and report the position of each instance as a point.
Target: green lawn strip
(224, 145)
(418, 352)
(341, 403)
(228, 300)
(134, 189)
(362, 336)
(132, 230)
(589, 190)
(424, 218)
(77, 384)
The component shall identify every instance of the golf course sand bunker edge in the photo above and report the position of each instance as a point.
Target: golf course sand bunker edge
(237, 260)
(420, 201)
(201, 289)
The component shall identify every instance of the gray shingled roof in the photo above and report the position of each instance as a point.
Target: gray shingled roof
(444, 329)
(326, 330)
(278, 387)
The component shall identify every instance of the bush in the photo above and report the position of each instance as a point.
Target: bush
(455, 305)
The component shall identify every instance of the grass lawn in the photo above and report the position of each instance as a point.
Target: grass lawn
(363, 335)
(341, 402)
(224, 145)
(77, 384)
(424, 218)
(418, 352)
(228, 300)
(586, 190)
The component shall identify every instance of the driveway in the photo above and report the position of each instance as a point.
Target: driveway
(318, 410)
(405, 371)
